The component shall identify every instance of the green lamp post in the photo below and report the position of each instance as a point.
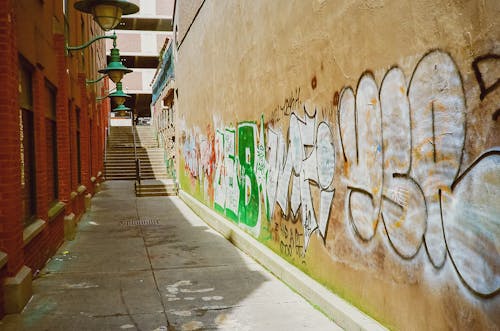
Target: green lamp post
(107, 13)
(115, 69)
(119, 96)
(120, 108)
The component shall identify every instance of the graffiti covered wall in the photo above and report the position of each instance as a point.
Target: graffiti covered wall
(367, 157)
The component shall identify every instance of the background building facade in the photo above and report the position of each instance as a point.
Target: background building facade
(163, 106)
(142, 36)
(359, 140)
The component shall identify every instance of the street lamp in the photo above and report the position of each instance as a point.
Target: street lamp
(115, 69)
(107, 13)
(120, 108)
(119, 96)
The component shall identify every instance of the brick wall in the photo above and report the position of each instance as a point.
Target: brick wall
(40, 105)
(11, 228)
(54, 65)
(63, 126)
(84, 132)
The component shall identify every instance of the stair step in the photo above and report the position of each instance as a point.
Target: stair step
(156, 194)
(155, 188)
(121, 154)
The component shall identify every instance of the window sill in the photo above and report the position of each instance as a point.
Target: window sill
(81, 189)
(32, 230)
(3, 259)
(55, 210)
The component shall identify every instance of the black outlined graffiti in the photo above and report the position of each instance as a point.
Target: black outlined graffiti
(496, 114)
(432, 111)
(309, 160)
(482, 65)
(425, 200)
(291, 103)
(361, 134)
(471, 225)
(402, 144)
(437, 115)
(403, 206)
(291, 241)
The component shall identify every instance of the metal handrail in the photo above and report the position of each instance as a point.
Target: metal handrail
(137, 161)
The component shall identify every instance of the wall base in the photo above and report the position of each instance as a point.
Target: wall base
(340, 311)
(88, 201)
(17, 291)
(69, 227)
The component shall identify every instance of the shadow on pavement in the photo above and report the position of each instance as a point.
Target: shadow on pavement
(138, 261)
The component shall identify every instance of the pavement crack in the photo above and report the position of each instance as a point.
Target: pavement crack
(203, 310)
(160, 296)
(122, 298)
(109, 315)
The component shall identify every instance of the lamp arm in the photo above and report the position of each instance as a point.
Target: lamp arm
(90, 81)
(87, 44)
(101, 98)
(105, 96)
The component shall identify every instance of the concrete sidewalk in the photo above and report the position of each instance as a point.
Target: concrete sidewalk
(137, 263)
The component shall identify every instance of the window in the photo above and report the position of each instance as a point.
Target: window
(51, 134)
(27, 145)
(91, 145)
(71, 146)
(78, 149)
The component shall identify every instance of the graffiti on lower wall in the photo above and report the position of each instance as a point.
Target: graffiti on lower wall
(397, 151)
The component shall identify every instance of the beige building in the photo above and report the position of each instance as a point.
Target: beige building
(359, 140)
(140, 39)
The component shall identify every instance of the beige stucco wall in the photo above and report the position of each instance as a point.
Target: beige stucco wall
(186, 12)
(376, 168)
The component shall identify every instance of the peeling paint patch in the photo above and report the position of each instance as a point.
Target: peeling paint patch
(191, 326)
(182, 313)
(161, 328)
(225, 321)
(174, 288)
(203, 290)
(215, 297)
(173, 299)
(83, 285)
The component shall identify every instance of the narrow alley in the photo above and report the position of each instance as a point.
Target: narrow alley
(175, 165)
(137, 263)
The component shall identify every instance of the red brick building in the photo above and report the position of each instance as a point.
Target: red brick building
(52, 136)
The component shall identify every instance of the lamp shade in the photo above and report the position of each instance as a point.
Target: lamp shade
(107, 13)
(115, 69)
(118, 96)
(120, 108)
(115, 75)
(107, 16)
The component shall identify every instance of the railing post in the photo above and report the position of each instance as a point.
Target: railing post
(137, 160)
(138, 170)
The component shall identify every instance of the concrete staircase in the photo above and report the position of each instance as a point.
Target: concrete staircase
(155, 187)
(121, 165)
